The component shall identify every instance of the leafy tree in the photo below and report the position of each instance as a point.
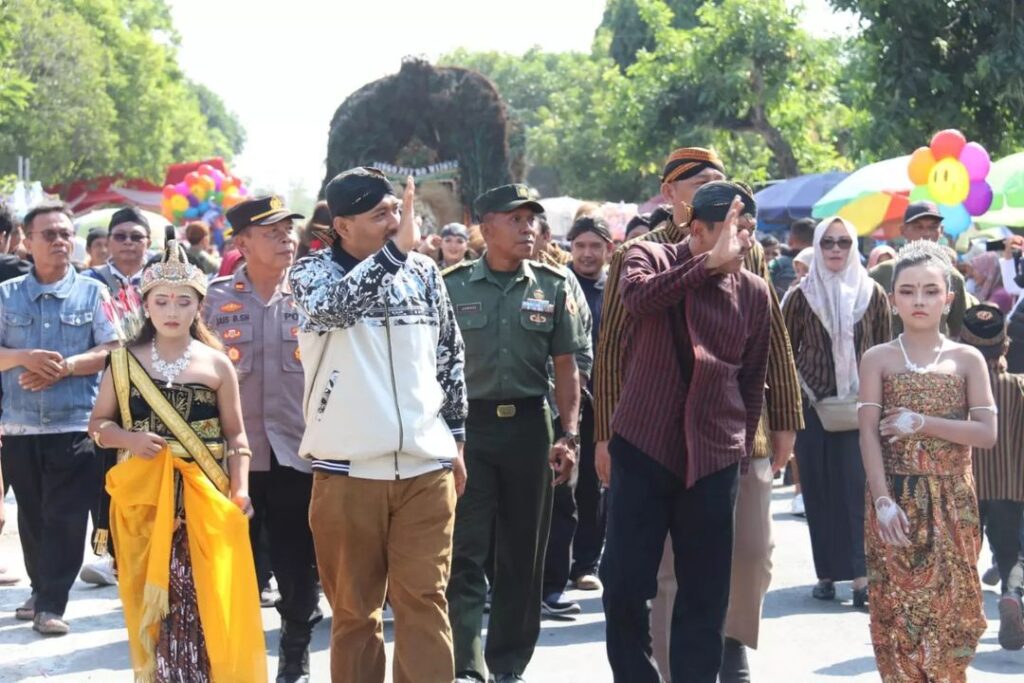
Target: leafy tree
(108, 95)
(218, 118)
(14, 86)
(749, 73)
(630, 33)
(922, 66)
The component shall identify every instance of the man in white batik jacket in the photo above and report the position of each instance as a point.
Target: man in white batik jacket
(385, 407)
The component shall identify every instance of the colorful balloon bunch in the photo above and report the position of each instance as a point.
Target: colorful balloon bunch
(951, 172)
(205, 194)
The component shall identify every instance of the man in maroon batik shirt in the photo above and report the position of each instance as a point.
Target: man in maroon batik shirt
(694, 378)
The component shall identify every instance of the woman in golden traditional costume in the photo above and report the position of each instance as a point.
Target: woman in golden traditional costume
(169, 402)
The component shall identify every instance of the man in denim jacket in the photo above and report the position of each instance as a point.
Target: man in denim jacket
(54, 339)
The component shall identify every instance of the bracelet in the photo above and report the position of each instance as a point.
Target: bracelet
(886, 499)
(96, 432)
(242, 451)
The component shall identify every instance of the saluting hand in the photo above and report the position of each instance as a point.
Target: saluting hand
(408, 235)
(730, 248)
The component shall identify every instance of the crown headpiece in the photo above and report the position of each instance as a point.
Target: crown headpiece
(174, 269)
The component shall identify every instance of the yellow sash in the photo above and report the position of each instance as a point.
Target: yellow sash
(142, 512)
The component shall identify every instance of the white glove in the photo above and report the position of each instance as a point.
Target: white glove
(900, 423)
(893, 525)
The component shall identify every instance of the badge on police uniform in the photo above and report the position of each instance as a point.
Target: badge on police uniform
(231, 307)
(538, 304)
(234, 354)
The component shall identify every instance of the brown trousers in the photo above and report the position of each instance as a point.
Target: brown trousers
(751, 567)
(375, 538)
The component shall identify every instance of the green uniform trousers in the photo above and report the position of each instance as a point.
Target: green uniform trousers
(508, 494)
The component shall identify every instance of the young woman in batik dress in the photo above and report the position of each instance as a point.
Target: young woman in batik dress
(925, 402)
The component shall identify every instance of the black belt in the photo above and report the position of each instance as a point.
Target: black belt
(507, 408)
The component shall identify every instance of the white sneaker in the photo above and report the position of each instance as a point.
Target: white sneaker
(796, 506)
(100, 572)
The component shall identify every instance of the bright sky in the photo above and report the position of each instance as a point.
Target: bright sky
(285, 67)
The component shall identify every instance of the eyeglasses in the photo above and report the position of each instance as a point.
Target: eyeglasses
(54, 235)
(136, 237)
(843, 243)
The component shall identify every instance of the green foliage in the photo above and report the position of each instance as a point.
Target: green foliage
(921, 66)
(15, 87)
(218, 118)
(630, 32)
(108, 96)
(741, 75)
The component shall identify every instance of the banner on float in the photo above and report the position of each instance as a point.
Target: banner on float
(443, 170)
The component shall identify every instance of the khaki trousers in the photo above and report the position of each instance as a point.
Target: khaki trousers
(751, 567)
(386, 537)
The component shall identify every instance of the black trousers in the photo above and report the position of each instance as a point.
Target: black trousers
(832, 481)
(55, 479)
(281, 497)
(646, 502)
(577, 517)
(1003, 522)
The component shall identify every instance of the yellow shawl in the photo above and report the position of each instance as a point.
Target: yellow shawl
(142, 514)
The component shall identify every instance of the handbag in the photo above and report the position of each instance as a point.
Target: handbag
(837, 414)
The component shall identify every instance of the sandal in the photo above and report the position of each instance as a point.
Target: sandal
(824, 590)
(27, 611)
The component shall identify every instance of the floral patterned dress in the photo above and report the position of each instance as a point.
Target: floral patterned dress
(926, 603)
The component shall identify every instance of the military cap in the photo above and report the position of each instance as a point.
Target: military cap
(711, 202)
(259, 211)
(984, 328)
(504, 199)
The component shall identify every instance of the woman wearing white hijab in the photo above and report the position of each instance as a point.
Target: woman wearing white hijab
(836, 314)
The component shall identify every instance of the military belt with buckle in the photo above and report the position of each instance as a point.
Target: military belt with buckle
(505, 409)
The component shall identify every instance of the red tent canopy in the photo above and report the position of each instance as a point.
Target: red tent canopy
(83, 195)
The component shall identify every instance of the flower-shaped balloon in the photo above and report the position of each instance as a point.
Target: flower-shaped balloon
(951, 172)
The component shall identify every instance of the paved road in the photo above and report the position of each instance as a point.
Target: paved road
(802, 639)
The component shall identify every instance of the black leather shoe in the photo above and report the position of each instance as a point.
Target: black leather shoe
(293, 653)
(824, 590)
(860, 597)
(735, 668)
(508, 678)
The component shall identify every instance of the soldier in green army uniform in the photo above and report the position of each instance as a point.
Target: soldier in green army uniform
(514, 314)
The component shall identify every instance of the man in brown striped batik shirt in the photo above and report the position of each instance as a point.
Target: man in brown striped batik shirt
(693, 390)
(686, 170)
(999, 471)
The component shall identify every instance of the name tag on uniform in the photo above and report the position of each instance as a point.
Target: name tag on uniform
(469, 308)
(538, 306)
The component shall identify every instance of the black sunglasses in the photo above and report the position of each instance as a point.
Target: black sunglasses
(843, 243)
(125, 236)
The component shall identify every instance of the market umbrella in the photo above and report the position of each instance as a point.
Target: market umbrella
(784, 202)
(871, 198)
(1006, 178)
(100, 218)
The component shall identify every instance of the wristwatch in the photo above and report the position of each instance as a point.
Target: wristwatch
(573, 438)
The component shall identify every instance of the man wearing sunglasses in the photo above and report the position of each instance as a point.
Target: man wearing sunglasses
(54, 339)
(128, 245)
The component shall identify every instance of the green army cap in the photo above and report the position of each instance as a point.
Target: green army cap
(504, 199)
